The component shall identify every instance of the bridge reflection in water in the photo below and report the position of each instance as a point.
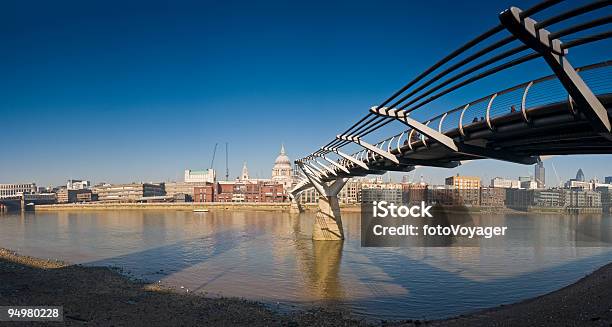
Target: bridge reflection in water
(271, 257)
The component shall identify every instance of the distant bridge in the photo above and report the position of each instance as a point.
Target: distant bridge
(23, 202)
(565, 113)
(12, 203)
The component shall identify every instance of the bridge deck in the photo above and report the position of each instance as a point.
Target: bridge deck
(552, 130)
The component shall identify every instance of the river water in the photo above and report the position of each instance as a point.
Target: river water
(269, 256)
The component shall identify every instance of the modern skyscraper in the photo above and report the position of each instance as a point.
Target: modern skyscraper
(540, 174)
(580, 175)
(608, 180)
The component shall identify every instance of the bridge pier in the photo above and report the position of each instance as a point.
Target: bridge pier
(328, 221)
(22, 206)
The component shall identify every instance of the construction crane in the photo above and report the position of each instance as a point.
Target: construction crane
(212, 162)
(557, 175)
(226, 167)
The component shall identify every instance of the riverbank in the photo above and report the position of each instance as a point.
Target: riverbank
(187, 206)
(259, 206)
(587, 302)
(102, 296)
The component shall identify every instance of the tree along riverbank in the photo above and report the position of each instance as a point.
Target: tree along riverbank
(101, 296)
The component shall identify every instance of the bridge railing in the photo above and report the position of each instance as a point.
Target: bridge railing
(489, 56)
(517, 99)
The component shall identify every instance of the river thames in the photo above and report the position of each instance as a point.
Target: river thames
(270, 257)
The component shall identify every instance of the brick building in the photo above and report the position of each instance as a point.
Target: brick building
(204, 193)
(492, 197)
(414, 192)
(250, 191)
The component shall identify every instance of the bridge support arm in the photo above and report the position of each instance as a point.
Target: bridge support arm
(330, 170)
(337, 165)
(351, 159)
(526, 30)
(370, 147)
(295, 206)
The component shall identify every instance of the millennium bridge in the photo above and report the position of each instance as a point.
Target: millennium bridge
(567, 112)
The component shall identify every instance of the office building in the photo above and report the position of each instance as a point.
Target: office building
(608, 179)
(606, 198)
(548, 198)
(178, 189)
(200, 176)
(463, 182)
(77, 184)
(499, 182)
(66, 195)
(526, 199)
(575, 184)
(351, 192)
(7, 190)
(519, 199)
(580, 175)
(391, 195)
(529, 185)
(390, 192)
(449, 195)
(128, 192)
(310, 196)
(582, 199)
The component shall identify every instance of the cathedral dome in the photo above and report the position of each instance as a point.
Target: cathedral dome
(282, 158)
(282, 172)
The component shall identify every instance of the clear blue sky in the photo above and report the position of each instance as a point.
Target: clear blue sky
(118, 92)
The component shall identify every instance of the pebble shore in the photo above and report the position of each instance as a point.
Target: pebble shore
(101, 296)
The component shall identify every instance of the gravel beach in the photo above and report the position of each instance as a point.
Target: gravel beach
(99, 296)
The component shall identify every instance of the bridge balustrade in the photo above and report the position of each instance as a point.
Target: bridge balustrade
(541, 92)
